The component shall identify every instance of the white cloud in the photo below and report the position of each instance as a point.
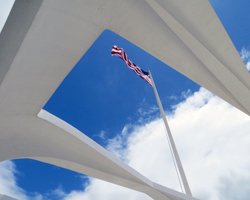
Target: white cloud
(182, 96)
(98, 189)
(213, 141)
(245, 56)
(8, 185)
(5, 7)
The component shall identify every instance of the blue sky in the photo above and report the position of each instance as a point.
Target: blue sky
(114, 100)
(101, 94)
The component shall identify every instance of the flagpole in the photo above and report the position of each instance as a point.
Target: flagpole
(171, 141)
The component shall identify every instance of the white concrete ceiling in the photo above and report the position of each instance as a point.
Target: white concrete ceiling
(186, 36)
(4, 197)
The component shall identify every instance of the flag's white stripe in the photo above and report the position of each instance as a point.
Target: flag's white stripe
(121, 53)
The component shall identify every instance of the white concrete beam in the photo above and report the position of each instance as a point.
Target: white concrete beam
(187, 36)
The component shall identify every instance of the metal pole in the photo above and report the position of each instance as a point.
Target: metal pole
(171, 140)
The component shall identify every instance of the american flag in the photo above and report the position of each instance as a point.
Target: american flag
(117, 51)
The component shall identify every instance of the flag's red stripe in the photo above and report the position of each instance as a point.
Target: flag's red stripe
(116, 51)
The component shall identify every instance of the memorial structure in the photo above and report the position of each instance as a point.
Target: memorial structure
(42, 40)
